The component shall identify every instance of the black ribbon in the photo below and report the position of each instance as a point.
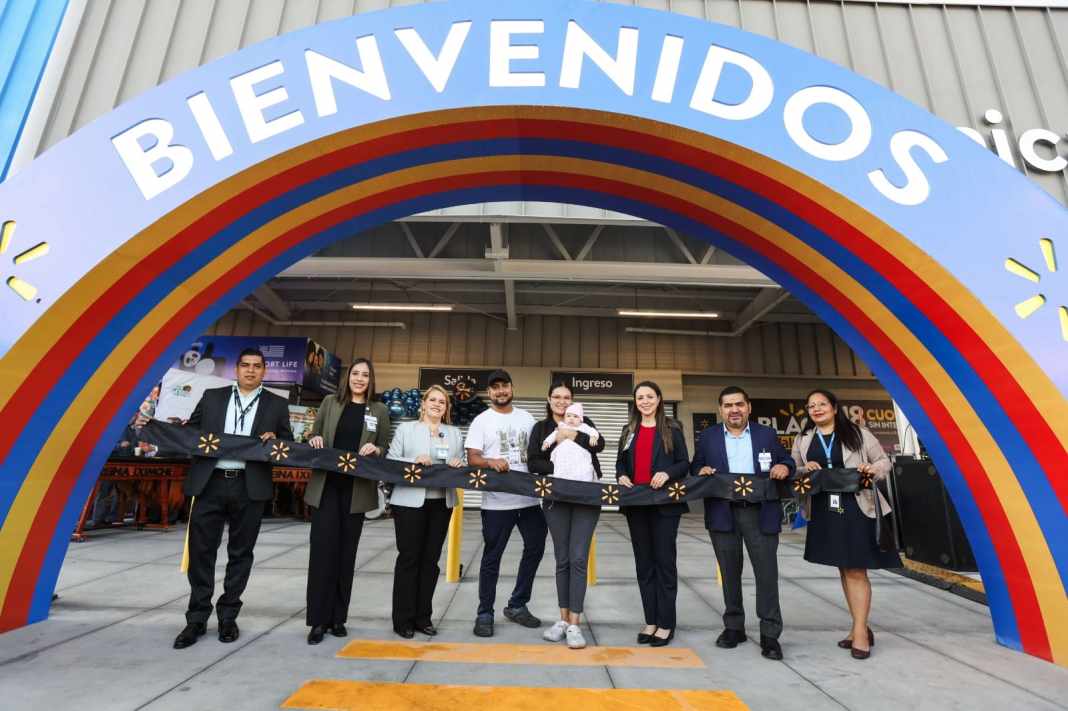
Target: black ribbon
(176, 440)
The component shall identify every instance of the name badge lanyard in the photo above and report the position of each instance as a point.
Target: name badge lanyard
(835, 501)
(241, 412)
(827, 447)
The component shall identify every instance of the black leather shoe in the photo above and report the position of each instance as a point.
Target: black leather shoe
(729, 639)
(228, 632)
(645, 638)
(859, 653)
(315, 634)
(406, 632)
(662, 641)
(428, 629)
(770, 649)
(189, 636)
(338, 630)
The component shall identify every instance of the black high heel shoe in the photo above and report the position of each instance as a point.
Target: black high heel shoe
(644, 638)
(662, 641)
(848, 643)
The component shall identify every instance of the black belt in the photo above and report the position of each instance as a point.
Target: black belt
(746, 504)
(228, 473)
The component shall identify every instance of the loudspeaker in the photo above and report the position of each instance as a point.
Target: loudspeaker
(930, 530)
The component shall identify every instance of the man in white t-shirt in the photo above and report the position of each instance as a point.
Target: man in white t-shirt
(497, 440)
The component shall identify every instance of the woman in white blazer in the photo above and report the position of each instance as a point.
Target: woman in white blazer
(421, 515)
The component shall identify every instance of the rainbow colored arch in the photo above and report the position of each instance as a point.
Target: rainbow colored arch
(992, 418)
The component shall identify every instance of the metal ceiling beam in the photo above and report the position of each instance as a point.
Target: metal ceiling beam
(592, 240)
(728, 275)
(764, 302)
(677, 241)
(509, 305)
(272, 302)
(492, 309)
(351, 287)
(444, 241)
(550, 231)
(407, 229)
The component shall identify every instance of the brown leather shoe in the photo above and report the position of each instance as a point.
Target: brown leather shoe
(859, 653)
(848, 643)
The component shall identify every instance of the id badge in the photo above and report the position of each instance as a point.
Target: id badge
(764, 459)
(441, 453)
(371, 423)
(836, 502)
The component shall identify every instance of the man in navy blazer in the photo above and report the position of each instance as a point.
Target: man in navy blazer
(739, 446)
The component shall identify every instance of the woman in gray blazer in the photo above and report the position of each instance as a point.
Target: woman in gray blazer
(353, 421)
(421, 515)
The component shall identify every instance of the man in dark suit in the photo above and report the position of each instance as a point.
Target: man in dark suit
(229, 492)
(741, 447)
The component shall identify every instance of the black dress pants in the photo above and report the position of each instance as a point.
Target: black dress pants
(763, 554)
(652, 536)
(224, 502)
(335, 536)
(421, 533)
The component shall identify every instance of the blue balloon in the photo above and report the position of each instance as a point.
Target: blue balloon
(395, 410)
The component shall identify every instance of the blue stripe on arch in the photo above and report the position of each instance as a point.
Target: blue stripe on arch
(993, 577)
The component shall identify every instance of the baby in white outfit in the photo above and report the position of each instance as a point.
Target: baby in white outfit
(570, 459)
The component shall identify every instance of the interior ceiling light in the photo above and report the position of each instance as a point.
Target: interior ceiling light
(668, 314)
(402, 307)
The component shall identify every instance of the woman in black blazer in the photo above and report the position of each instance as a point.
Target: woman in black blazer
(653, 452)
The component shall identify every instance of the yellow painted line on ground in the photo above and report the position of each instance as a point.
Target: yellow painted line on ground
(943, 574)
(380, 696)
(548, 654)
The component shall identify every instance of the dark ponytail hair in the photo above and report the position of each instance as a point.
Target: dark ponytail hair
(663, 422)
(847, 430)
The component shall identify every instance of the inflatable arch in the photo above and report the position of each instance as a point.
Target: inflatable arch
(936, 262)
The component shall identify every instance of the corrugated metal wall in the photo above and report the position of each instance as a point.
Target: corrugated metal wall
(955, 61)
(766, 349)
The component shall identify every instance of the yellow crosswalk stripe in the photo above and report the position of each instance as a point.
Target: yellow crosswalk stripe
(339, 695)
(551, 654)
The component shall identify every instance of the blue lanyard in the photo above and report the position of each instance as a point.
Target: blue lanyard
(827, 446)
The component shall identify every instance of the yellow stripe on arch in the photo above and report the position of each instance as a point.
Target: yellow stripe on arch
(1035, 551)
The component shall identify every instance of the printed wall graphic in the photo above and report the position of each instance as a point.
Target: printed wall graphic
(921, 249)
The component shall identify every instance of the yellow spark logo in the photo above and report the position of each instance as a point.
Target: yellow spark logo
(1025, 308)
(792, 410)
(23, 288)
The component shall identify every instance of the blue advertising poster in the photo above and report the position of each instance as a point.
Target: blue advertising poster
(217, 355)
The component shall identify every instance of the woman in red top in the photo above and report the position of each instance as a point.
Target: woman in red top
(653, 452)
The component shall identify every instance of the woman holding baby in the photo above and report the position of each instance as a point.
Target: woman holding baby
(565, 445)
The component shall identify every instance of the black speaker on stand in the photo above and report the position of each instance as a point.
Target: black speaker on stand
(930, 529)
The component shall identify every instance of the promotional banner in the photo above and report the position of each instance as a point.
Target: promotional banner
(322, 369)
(789, 419)
(581, 383)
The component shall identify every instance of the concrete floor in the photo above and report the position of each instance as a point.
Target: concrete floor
(107, 644)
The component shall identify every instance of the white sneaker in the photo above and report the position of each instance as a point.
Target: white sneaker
(556, 632)
(575, 640)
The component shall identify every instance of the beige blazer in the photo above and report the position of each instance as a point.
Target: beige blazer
(871, 452)
(364, 491)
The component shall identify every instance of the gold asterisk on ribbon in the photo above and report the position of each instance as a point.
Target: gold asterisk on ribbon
(677, 490)
(208, 443)
(279, 451)
(743, 486)
(543, 487)
(412, 474)
(803, 485)
(610, 494)
(346, 462)
(478, 479)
